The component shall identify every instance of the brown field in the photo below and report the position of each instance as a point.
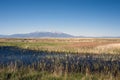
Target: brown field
(75, 45)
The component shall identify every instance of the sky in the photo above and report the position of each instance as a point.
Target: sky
(76, 17)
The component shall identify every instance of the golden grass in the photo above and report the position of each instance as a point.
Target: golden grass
(76, 45)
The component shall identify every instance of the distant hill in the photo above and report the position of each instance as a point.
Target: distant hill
(39, 35)
(50, 35)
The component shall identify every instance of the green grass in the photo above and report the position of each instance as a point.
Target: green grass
(64, 45)
(29, 74)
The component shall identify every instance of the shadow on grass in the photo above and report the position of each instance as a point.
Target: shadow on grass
(59, 62)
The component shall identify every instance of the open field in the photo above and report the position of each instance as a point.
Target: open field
(60, 59)
(75, 45)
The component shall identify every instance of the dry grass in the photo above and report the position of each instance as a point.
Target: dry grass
(79, 45)
(109, 46)
(80, 69)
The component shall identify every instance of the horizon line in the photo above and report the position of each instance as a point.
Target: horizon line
(57, 32)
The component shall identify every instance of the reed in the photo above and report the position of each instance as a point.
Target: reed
(59, 59)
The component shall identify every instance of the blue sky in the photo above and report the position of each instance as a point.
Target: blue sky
(77, 17)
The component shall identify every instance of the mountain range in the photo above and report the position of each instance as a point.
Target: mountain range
(50, 35)
(39, 35)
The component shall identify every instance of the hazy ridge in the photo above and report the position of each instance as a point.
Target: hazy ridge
(51, 35)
